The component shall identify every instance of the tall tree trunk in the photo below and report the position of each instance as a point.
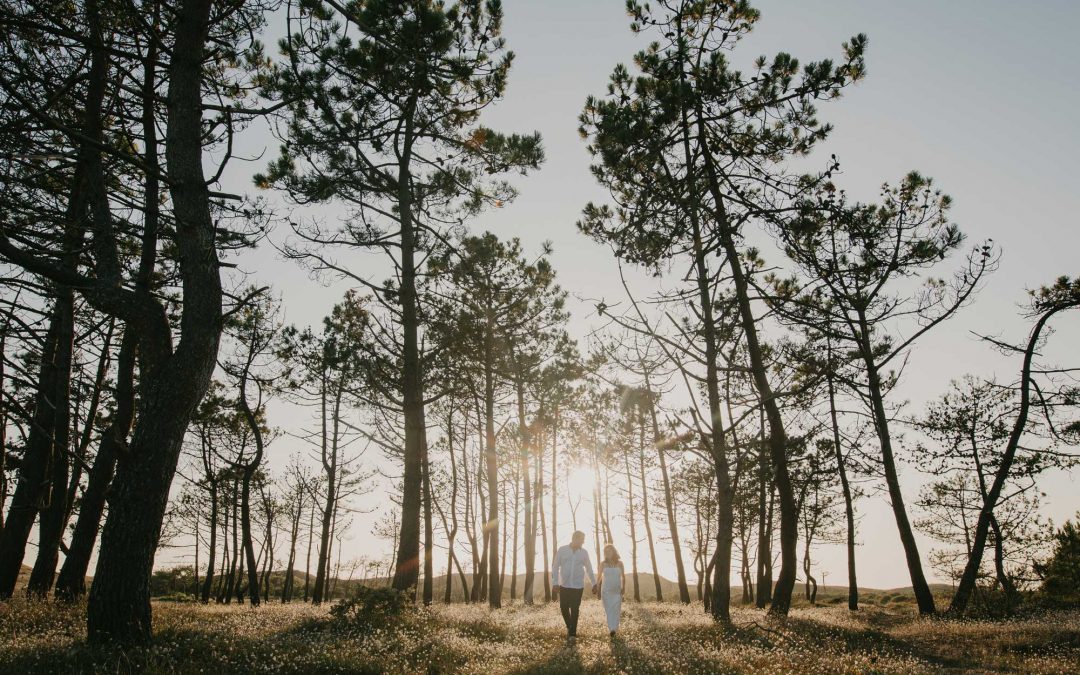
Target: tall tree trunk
(765, 524)
(744, 573)
(923, 597)
(249, 470)
(246, 538)
(3, 419)
(310, 541)
(223, 571)
(715, 442)
(645, 512)
(517, 510)
(53, 511)
(408, 554)
(34, 470)
(78, 461)
(71, 582)
(232, 582)
(555, 486)
(429, 535)
(451, 534)
(492, 525)
(633, 527)
(849, 508)
(208, 582)
(330, 466)
(119, 604)
(969, 576)
(699, 553)
(527, 506)
(543, 519)
(673, 523)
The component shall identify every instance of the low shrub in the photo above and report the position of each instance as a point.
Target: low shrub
(370, 607)
(176, 597)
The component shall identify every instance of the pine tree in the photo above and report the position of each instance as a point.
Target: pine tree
(384, 100)
(688, 149)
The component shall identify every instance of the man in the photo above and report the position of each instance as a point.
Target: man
(568, 580)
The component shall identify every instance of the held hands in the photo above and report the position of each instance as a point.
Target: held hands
(596, 590)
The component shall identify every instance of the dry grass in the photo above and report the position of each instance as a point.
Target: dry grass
(655, 639)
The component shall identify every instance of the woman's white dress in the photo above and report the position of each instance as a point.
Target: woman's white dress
(611, 596)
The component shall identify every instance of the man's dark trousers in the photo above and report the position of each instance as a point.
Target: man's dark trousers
(570, 605)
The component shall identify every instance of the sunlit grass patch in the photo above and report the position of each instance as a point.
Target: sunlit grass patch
(654, 638)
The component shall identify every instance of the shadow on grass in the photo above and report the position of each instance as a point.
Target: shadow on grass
(632, 660)
(871, 640)
(208, 648)
(566, 659)
(772, 634)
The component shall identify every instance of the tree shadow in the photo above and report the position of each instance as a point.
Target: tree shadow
(871, 640)
(566, 659)
(632, 660)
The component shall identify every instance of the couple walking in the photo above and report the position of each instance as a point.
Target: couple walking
(568, 582)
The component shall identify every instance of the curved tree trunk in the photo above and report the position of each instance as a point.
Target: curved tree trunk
(966, 586)
(119, 602)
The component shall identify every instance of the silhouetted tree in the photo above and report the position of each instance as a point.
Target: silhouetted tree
(384, 99)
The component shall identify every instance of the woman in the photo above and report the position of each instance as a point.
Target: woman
(612, 587)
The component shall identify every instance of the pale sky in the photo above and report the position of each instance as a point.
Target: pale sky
(981, 95)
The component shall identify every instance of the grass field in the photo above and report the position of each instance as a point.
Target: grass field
(656, 638)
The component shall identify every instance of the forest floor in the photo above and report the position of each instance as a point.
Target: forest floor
(655, 638)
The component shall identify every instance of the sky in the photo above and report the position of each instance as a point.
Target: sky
(980, 95)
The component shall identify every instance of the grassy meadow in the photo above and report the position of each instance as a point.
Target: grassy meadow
(884, 637)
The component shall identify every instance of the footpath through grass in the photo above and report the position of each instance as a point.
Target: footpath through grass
(662, 638)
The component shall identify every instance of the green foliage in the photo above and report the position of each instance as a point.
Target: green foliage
(661, 134)
(173, 583)
(384, 99)
(370, 607)
(1061, 573)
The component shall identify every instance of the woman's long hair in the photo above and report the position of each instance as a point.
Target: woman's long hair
(611, 555)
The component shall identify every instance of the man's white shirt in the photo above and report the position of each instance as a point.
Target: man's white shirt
(570, 568)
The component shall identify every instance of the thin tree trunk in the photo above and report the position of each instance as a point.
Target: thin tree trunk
(543, 519)
(53, 514)
(645, 512)
(429, 535)
(527, 506)
(849, 508)
(633, 528)
(514, 556)
(969, 576)
(923, 597)
(555, 486)
(451, 534)
(330, 466)
(34, 470)
(246, 538)
(492, 524)
(673, 523)
(208, 582)
(310, 541)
